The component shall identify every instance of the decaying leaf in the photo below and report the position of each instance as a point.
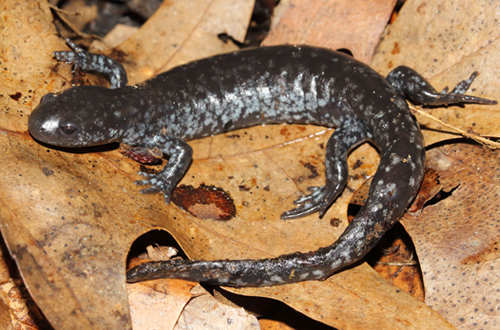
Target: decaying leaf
(205, 310)
(446, 41)
(17, 309)
(69, 217)
(66, 230)
(355, 25)
(178, 304)
(191, 33)
(458, 237)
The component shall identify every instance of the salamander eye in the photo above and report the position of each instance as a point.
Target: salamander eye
(68, 129)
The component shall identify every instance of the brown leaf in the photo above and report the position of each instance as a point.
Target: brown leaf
(17, 309)
(394, 259)
(5, 322)
(69, 218)
(457, 238)
(355, 25)
(273, 325)
(158, 305)
(205, 202)
(446, 41)
(191, 34)
(177, 304)
(205, 310)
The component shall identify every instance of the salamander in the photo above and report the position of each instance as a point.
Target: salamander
(268, 85)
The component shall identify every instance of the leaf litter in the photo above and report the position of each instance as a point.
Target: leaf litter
(69, 218)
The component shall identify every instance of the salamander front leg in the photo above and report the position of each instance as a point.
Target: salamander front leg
(86, 61)
(180, 156)
(347, 136)
(416, 88)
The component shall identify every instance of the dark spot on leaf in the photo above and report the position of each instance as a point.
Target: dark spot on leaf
(244, 188)
(233, 136)
(312, 168)
(335, 222)
(357, 164)
(396, 49)
(16, 96)
(47, 172)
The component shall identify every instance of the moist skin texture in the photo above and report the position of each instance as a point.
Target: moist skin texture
(281, 84)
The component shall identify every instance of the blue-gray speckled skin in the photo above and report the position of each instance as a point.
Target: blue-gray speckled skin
(281, 84)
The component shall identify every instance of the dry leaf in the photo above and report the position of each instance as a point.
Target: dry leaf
(63, 215)
(177, 304)
(457, 238)
(273, 325)
(119, 34)
(446, 41)
(17, 309)
(355, 25)
(5, 322)
(394, 259)
(204, 310)
(158, 304)
(69, 218)
(79, 13)
(180, 32)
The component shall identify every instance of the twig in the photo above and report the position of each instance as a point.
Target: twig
(484, 141)
(61, 13)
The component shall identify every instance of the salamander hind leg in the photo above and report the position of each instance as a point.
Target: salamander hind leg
(416, 88)
(348, 135)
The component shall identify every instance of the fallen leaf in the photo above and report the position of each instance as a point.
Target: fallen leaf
(70, 217)
(67, 231)
(119, 34)
(79, 13)
(5, 321)
(446, 41)
(205, 310)
(180, 32)
(358, 293)
(355, 25)
(158, 304)
(458, 237)
(273, 325)
(17, 309)
(394, 259)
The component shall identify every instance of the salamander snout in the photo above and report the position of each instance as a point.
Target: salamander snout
(43, 126)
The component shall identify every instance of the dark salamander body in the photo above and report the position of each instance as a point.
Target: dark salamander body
(282, 84)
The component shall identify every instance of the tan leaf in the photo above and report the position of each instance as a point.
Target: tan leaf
(355, 25)
(177, 304)
(59, 216)
(158, 305)
(457, 237)
(183, 31)
(205, 310)
(17, 309)
(446, 41)
(70, 217)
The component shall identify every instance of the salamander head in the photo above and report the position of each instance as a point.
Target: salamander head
(79, 117)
